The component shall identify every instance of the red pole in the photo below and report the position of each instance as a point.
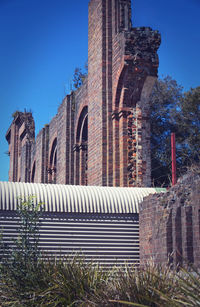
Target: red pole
(173, 152)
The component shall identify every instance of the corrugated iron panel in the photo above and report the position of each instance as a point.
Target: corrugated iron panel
(74, 199)
(104, 238)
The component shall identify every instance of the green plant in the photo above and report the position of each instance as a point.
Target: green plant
(15, 114)
(188, 293)
(73, 283)
(20, 265)
(179, 289)
(137, 285)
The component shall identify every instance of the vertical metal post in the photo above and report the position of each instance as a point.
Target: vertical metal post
(173, 154)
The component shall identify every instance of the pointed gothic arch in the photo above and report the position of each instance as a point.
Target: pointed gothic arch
(33, 173)
(81, 148)
(53, 162)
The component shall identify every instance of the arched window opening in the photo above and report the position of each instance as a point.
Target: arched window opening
(81, 148)
(84, 136)
(53, 163)
(33, 173)
(81, 122)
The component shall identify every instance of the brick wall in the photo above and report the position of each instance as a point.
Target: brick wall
(60, 131)
(170, 224)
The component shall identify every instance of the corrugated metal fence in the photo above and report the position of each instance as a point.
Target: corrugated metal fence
(97, 222)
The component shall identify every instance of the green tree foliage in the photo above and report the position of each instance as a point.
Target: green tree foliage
(173, 111)
(188, 127)
(79, 76)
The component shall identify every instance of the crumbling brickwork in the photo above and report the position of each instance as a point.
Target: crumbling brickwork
(20, 137)
(100, 134)
(170, 224)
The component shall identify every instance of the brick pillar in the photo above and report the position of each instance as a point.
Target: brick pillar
(13, 173)
(76, 164)
(63, 127)
(139, 157)
(27, 162)
(67, 144)
(97, 137)
(135, 155)
(116, 164)
(123, 137)
(83, 161)
(45, 154)
(169, 239)
(147, 213)
(109, 93)
(177, 235)
(196, 233)
(187, 235)
(71, 140)
(106, 18)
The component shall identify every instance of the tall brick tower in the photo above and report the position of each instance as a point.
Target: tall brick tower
(122, 68)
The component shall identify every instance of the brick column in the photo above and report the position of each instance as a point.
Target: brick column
(189, 235)
(109, 54)
(135, 157)
(83, 161)
(76, 164)
(177, 235)
(116, 164)
(123, 137)
(97, 139)
(196, 232)
(71, 140)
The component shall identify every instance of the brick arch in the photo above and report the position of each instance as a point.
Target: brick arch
(133, 78)
(81, 147)
(119, 88)
(131, 126)
(81, 123)
(52, 162)
(147, 90)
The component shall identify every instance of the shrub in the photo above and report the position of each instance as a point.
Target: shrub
(20, 265)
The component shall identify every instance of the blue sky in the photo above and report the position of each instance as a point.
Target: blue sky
(42, 41)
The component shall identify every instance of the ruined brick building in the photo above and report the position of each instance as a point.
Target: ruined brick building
(101, 132)
(101, 136)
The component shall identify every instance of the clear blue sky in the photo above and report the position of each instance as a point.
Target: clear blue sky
(42, 41)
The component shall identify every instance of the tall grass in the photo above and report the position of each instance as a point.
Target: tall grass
(138, 285)
(74, 282)
(159, 286)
